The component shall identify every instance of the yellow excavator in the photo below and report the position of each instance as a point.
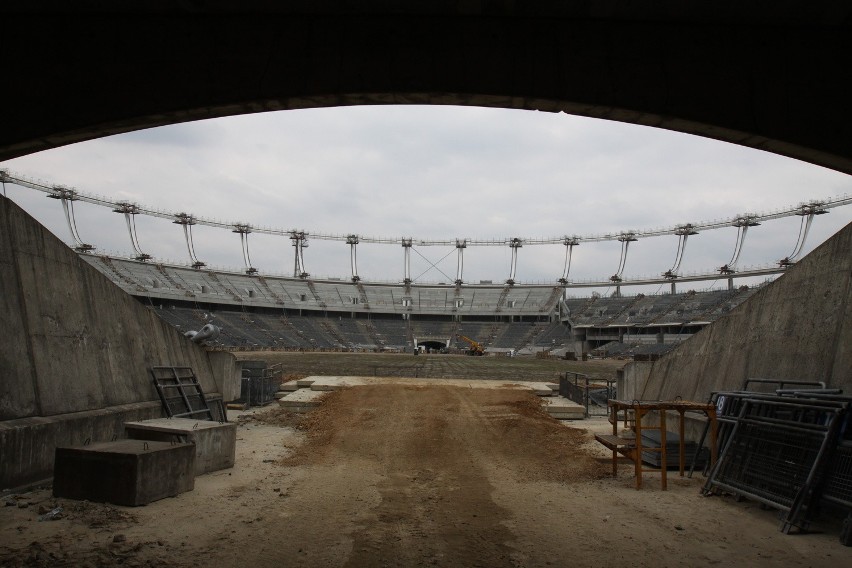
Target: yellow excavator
(476, 348)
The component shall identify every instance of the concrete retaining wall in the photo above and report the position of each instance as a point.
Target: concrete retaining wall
(799, 327)
(75, 343)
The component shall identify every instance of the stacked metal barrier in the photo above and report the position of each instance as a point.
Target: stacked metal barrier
(786, 450)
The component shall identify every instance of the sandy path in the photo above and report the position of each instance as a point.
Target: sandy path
(403, 475)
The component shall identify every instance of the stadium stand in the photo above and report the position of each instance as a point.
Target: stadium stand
(665, 319)
(273, 312)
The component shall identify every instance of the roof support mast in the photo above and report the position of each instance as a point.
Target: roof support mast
(742, 224)
(130, 210)
(807, 212)
(514, 244)
(461, 244)
(68, 197)
(683, 232)
(625, 239)
(244, 231)
(352, 241)
(570, 243)
(186, 221)
(406, 247)
(300, 242)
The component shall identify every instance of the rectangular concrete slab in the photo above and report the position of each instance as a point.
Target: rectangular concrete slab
(124, 472)
(289, 387)
(305, 383)
(540, 389)
(215, 443)
(302, 400)
(562, 408)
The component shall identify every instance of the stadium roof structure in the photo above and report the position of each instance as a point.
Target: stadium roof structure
(742, 222)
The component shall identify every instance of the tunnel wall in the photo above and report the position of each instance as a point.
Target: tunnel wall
(76, 352)
(798, 327)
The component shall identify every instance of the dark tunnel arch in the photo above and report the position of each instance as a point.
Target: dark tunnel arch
(774, 80)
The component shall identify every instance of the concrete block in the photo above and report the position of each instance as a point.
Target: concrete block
(325, 387)
(563, 409)
(215, 443)
(302, 400)
(540, 389)
(567, 415)
(124, 472)
(289, 387)
(305, 383)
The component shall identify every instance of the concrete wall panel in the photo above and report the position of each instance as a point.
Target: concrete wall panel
(76, 352)
(17, 375)
(79, 342)
(797, 328)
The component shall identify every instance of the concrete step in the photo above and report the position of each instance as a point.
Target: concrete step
(289, 387)
(305, 383)
(540, 389)
(329, 385)
(303, 400)
(563, 409)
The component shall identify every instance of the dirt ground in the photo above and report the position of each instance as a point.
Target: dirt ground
(434, 366)
(402, 475)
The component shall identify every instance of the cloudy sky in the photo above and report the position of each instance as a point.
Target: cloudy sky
(433, 172)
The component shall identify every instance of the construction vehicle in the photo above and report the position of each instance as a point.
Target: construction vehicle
(476, 348)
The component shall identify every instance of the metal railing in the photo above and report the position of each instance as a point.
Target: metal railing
(591, 394)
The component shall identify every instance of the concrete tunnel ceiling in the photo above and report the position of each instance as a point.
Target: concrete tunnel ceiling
(772, 77)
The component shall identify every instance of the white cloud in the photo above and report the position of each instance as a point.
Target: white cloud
(433, 172)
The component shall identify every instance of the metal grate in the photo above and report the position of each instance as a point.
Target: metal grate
(181, 393)
(768, 463)
(838, 484)
(777, 450)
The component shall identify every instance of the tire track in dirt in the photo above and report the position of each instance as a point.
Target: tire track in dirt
(432, 449)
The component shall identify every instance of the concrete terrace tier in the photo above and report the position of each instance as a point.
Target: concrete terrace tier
(169, 282)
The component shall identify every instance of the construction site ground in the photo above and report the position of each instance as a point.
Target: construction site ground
(434, 365)
(427, 474)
